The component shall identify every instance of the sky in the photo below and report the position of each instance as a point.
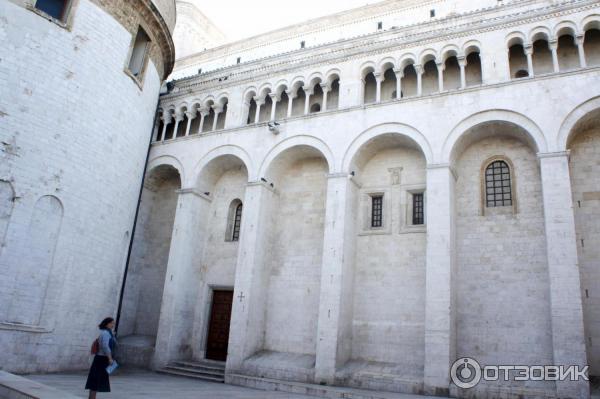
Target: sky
(239, 19)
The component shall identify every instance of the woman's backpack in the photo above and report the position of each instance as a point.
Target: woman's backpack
(95, 347)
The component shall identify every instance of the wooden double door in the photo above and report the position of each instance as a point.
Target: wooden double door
(218, 329)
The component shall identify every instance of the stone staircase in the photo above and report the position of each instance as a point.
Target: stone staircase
(207, 370)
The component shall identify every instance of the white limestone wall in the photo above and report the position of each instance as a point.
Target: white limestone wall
(502, 281)
(218, 262)
(73, 126)
(149, 257)
(585, 179)
(389, 281)
(295, 263)
(542, 330)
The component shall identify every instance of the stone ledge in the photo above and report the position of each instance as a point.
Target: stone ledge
(15, 387)
(321, 391)
(24, 328)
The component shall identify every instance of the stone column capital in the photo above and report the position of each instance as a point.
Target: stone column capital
(218, 108)
(191, 114)
(553, 44)
(528, 48)
(166, 117)
(308, 90)
(275, 97)
(179, 116)
(379, 76)
(441, 66)
(291, 93)
(259, 101)
(326, 87)
(462, 60)
(204, 111)
(418, 68)
(399, 72)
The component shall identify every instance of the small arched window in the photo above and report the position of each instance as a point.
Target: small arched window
(498, 185)
(237, 223)
(234, 221)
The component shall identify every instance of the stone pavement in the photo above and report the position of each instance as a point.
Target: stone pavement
(131, 384)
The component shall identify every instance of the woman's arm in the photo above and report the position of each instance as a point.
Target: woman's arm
(105, 345)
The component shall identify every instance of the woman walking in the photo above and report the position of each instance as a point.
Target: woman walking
(97, 380)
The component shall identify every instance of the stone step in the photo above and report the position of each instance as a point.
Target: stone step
(197, 376)
(321, 391)
(195, 370)
(203, 366)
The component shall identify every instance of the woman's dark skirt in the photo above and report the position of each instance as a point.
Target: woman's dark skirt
(98, 377)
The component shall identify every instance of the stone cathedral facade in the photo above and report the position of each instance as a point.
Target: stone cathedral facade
(358, 201)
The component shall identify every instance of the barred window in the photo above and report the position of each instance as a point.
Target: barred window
(237, 223)
(377, 211)
(498, 189)
(418, 209)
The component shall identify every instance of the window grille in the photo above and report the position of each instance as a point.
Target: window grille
(237, 222)
(418, 209)
(377, 211)
(498, 189)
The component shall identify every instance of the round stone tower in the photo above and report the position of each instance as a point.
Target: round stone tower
(79, 85)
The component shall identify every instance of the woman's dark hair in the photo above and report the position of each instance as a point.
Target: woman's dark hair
(105, 323)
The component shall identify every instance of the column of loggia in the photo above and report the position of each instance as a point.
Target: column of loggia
(553, 44)
(440, 331)
(568, 336)
(462, 63)
(248, 313)
(334, 331)
(529, 53)
(182, 279)
(419, 70)
(441, 67)
(579, 40)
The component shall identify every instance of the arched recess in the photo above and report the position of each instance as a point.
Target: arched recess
(149, 258)
(451, 68)
(497, 243)
(388, 163)
(392, 128)
(542, 56)
(430, 82)
(36, 285)
(297, 168)
(591, 43)
(222, 178)
(369, 83)
(582, 132)
(473, 69)
(567, 128)
(299, 141)
(460, 138)
(517, 59)
(203, 179)
(167, 160)
(567, 51)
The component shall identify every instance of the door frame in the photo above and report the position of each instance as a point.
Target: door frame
(207, 313)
